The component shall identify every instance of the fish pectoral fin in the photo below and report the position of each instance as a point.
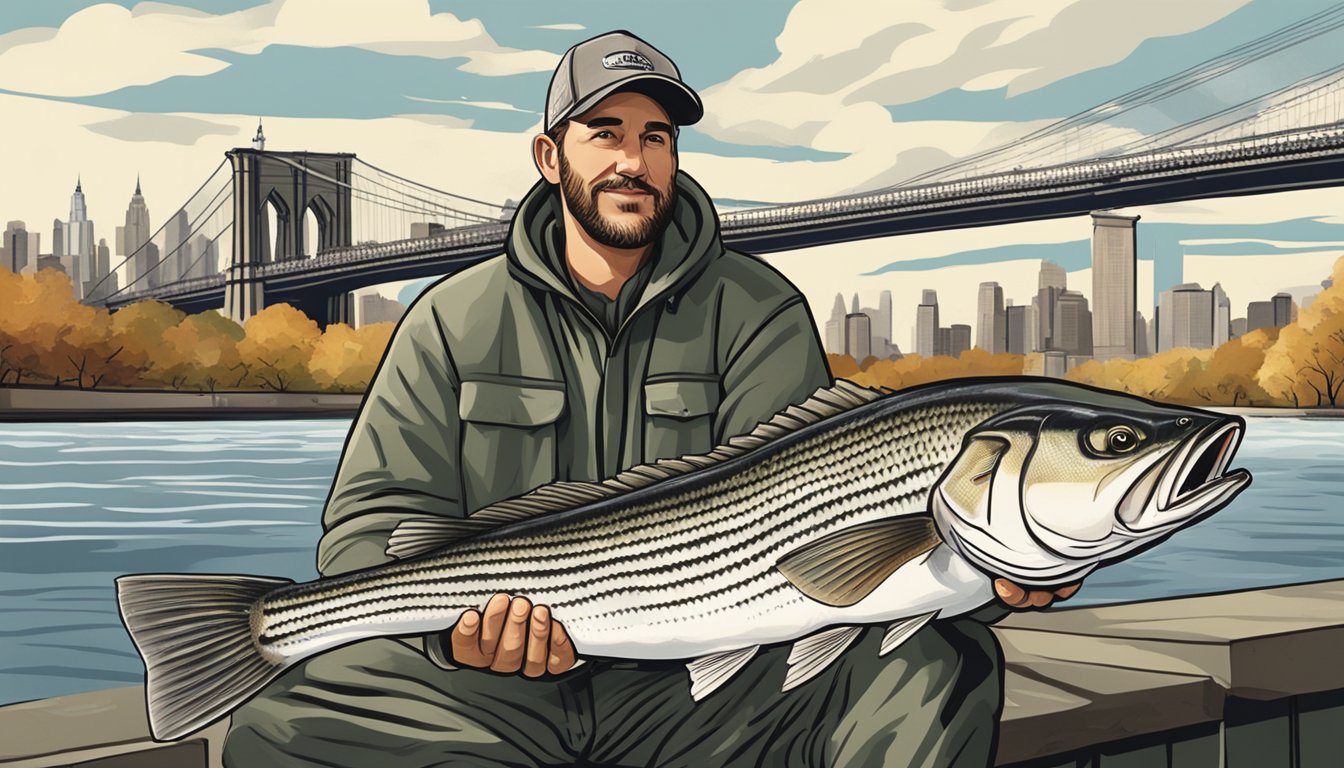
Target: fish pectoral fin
(844, 567)
(901, 631)
(710, 672)
(816, 652)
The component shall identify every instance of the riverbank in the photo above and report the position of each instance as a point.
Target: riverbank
(1237, 679)
(46, 404)
(41, 404)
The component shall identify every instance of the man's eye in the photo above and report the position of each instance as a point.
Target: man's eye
(604, 135)
(656, 139)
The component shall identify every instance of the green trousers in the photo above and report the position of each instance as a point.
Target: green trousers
(935, 701)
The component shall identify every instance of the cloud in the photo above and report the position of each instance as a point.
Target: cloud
(832, 84)
(174, 129)
(562, 27)
(496, 105)
(152, 42)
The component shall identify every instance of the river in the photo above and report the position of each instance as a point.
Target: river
(83, 503)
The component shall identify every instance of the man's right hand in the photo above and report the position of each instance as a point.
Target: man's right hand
(512, 635)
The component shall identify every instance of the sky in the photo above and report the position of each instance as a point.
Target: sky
(803, 100)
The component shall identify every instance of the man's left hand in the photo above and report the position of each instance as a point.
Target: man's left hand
(1015, 596)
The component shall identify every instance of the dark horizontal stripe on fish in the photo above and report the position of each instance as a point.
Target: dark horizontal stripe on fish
(278, 630)
(315, 592)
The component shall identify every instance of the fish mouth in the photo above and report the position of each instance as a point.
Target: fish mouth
(1194, 480)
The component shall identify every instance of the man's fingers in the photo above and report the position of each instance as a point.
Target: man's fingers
(1064, 593)
(1010, 593)
(538, 642)
(1039, 598)
(561, 656)
(466, 640)
(509, 653)
(492, 625)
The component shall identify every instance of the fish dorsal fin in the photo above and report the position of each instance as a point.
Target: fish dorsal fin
(842, 568)
(420, 535)
(710, 672)
(815, 653)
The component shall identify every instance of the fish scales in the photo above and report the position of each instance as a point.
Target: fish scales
(851, 509)
(722, 537)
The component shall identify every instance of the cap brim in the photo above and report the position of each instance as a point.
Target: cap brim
(682, 104)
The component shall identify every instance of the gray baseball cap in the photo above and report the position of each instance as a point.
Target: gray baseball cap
(617, 61)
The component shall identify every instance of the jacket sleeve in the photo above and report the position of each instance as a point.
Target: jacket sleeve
(401, 457)
(776, 363)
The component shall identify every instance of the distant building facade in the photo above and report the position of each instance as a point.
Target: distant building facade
(991, 319)
(1114, 280)
(926, 325)
(858, 336)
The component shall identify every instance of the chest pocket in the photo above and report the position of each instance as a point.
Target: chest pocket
(679, 416)
(508, 437)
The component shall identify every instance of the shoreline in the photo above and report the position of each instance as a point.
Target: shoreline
(18, 404)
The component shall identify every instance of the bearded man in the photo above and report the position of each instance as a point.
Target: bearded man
(615, 330)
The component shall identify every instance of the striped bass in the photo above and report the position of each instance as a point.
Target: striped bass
(854, 508)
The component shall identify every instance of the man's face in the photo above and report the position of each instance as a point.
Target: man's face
(618, 164)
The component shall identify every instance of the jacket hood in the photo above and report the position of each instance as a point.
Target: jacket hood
(686, 246)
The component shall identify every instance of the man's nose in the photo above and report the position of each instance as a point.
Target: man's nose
(631, 160)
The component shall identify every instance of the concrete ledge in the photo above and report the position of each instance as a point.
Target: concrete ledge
(21, 404)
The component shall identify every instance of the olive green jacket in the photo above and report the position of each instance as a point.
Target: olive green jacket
(499, 379)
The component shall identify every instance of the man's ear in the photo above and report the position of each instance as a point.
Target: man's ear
(546, 155)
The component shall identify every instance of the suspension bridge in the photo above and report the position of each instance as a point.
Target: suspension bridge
(308, 228)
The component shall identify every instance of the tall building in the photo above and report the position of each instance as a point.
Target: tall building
(926, 325)
(959, 339)
(58, 240)
(882, 323)
(1051, 282)
(944, 341)
(1222, 316)
(990, 320)
(204, 254)
(1114, 277)
(100, 283)
(1238, 327)
(133, 242)
(1185, 318)
(373, 308)
(1259, 314)
(177, 253)
(1072, 324)
(78, 250)
(1283, 309)
(21, 248)
(1142, 345)
(1018, 340)
(858, 336)
(835, 327)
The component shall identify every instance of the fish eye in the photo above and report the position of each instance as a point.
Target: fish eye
(1121, 439)
(1184, 421)
(1114, 439)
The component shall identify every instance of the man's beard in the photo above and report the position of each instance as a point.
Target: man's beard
(582, 203)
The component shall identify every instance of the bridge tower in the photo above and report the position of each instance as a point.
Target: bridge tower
(292, 184)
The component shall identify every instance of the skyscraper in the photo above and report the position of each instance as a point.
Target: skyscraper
(1259, 314)
(1142, 347)
(1283, 309)
(1073, 324)
(858, 336)
(990, 319)
(1222, 316)
(835, 327)
(1051, 282)
(133, 241)
(883, 341)
(926, 325)
(1018, 340)
(21, 248)
(1185, 318)
(1114, 276)
(78, 251)
(959, 339)
(178, 256)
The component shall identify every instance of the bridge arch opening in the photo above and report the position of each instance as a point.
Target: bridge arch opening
(317, 221)
(274, 237)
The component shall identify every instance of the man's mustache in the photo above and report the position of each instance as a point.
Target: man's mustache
(625, 182)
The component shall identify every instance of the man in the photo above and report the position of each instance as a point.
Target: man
(614, 331)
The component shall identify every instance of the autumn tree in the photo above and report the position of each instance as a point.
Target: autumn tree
(345, 359)
(1306, 363)
(276, 348)
(203, 352)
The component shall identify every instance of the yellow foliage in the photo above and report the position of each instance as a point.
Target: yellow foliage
(201, 352)
(912, 370)
(345, 359)
(275, 351)
(842, 366)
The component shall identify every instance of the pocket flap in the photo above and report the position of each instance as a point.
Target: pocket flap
(517, 404)
(683, 399)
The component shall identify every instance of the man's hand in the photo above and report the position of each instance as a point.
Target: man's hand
(1019, 597)
(512, 635)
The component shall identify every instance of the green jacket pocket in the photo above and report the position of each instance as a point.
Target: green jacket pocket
(679, 416)
(508, 437)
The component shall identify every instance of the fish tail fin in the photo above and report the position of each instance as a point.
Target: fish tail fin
(195, 636)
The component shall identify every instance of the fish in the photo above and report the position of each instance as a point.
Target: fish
(856, 508)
